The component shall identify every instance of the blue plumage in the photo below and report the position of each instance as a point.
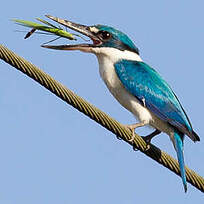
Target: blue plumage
(145, 83)
(147, 86)
(119, 40)
(136, 86)
(178, 144)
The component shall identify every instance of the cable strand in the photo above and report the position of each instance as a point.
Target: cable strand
(97, 115)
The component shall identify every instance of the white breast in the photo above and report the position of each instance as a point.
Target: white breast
(106, 58)
(109, 76)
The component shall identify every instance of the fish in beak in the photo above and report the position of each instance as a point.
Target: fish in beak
(89, 31)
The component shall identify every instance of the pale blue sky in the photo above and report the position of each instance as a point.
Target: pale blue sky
(51, 153)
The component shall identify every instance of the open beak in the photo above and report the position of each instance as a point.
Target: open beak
(89, 31)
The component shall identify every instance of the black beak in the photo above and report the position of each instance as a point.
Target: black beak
(85, 30)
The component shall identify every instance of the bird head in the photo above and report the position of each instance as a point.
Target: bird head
(102, 37)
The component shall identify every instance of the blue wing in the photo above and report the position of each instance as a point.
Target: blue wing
(145, 83)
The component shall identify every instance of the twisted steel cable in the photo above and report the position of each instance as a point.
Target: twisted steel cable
(97, 115)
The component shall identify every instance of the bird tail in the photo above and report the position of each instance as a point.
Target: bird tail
(178, 145)
(195, 136)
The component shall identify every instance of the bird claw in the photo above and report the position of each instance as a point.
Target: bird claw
(147, 139)
(132, 129)
(118, 137)
(134, 148)
(131, 140)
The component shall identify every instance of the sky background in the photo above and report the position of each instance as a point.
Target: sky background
(50, 152)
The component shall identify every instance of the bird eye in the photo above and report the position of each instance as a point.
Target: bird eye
(104, 35)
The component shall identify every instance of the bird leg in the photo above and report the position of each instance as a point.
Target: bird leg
(133, 127)
(149, 137)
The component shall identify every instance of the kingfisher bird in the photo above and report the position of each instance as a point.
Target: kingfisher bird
(136, 85)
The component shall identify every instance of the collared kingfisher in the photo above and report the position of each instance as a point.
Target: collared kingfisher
(136, 86)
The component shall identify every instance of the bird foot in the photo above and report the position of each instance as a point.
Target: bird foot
(147, 139)
(132, 129)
